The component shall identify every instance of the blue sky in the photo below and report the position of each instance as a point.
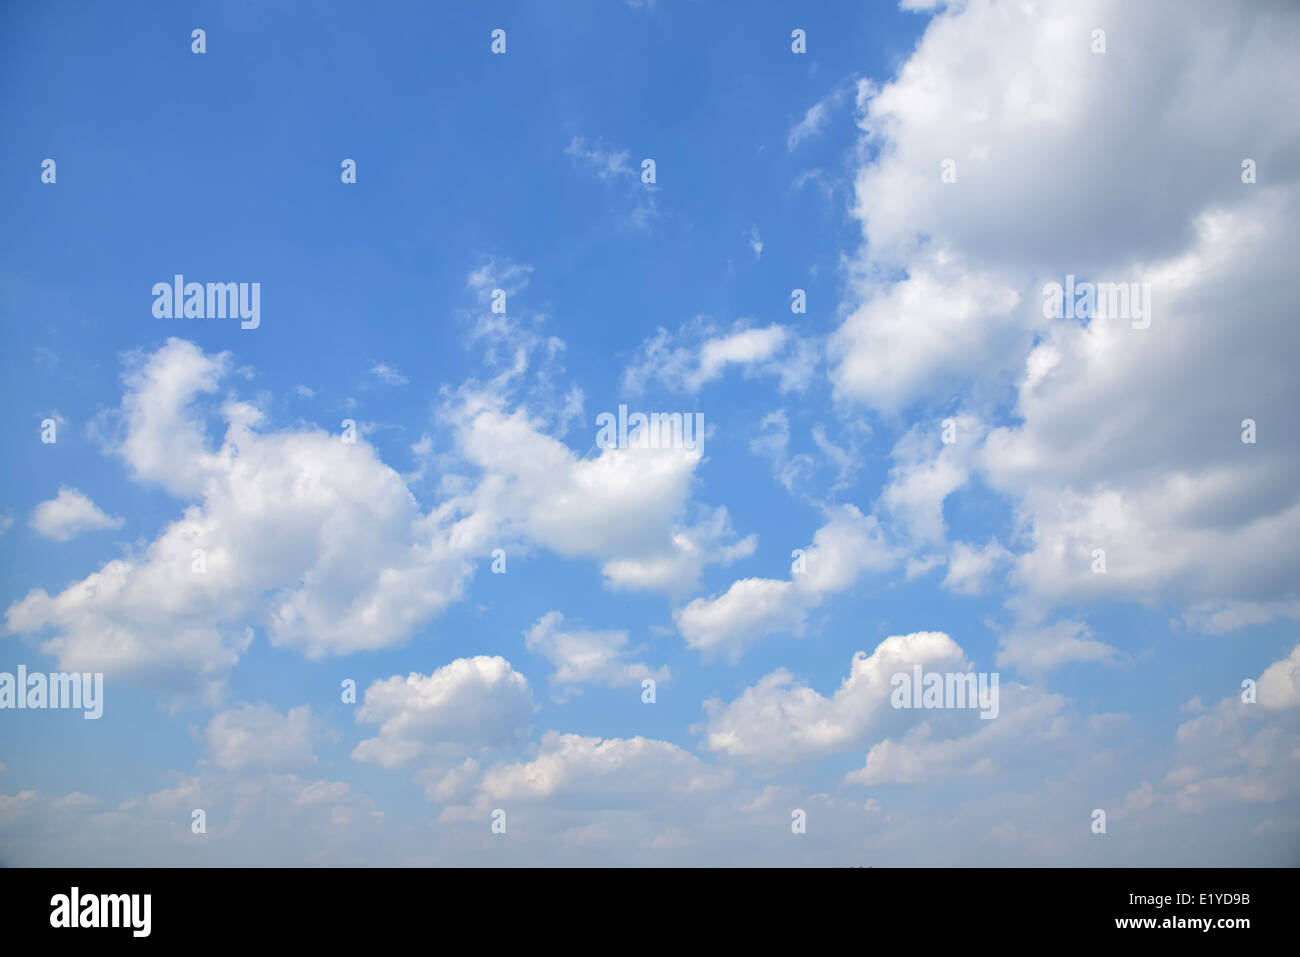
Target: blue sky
(774, 171)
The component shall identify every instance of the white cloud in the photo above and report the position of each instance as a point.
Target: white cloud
(253, 819)
(1238, 753)
(68, 515)
(779, 721)
(753, 608)
(773, 444)
(739, 348)
(323, 545)
(261, 739)
(448, 787)
(925, 473)
(969, 566)
(1123, 439)
(514, 484)
(258, 812)
(796, 472)
(613, 166)
(1279, 686)
(471, 704)
(1038, 650)
(613, 771)
(513, 339)
(388, 374)
(923, 337)
(810, 125)
(626, 507)
(1027, 719)
(1119, 438)
(606, 163)
(165, 442)
(1099, 462)
(814, 120)
(581, 656)
(315, 539)
(699, 353)
(676, 570)
(1222, 617)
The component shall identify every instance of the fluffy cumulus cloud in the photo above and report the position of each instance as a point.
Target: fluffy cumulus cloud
(583, 656)
(726, 625)
(627, 508)
(1144, 457)
(310, 537)
(1126, 435)
(469, 705)
(69, 514)
(1039, 649)
(750, 609)
(1279, 685)
(577, 798)
(914, 338)
(779, 720)
(1028, 721)
(676, 567)
(930, 464)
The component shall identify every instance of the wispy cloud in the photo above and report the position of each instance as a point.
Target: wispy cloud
(386, 373)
